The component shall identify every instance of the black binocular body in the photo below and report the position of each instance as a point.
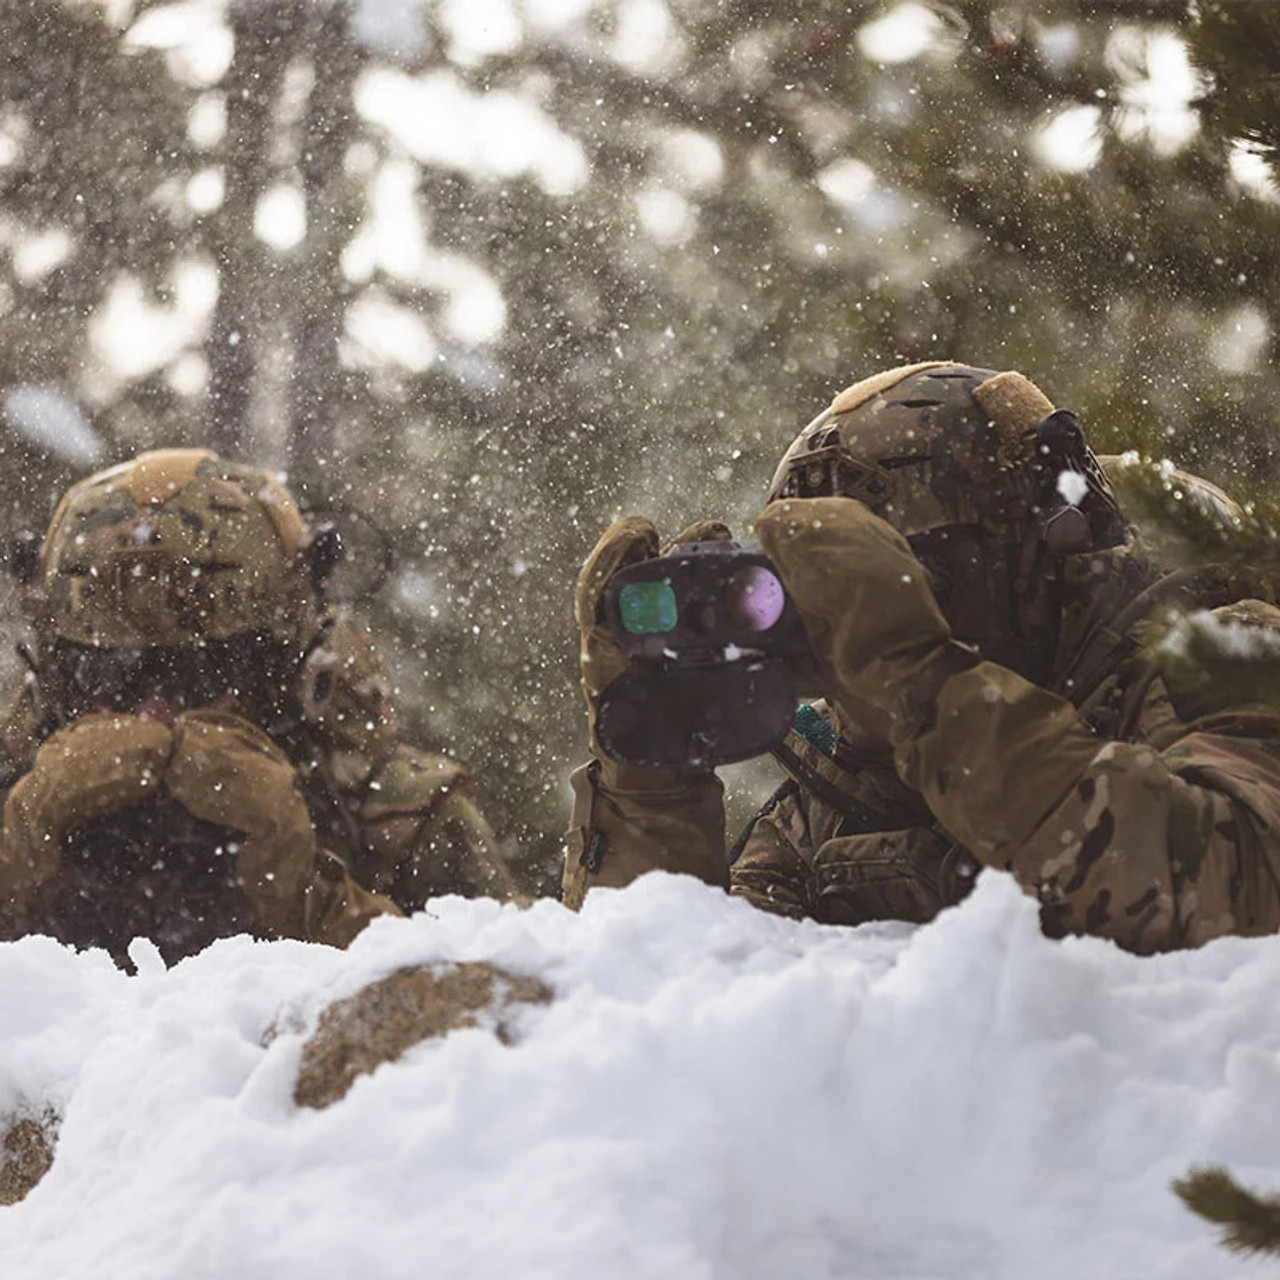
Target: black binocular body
(718, 652)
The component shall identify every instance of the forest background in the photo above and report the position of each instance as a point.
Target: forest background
(481, 274)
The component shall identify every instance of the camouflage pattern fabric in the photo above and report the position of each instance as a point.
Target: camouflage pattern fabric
(845, 840)
(1129, 811)
(1144, 819)
(210, 803)
(404, 821)
(989, 685)
(175, 546)
(424, 836)
(1167, 837)
(344, 694)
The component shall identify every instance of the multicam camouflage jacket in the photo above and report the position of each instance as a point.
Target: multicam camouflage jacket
(1131, 809)
(388, 818)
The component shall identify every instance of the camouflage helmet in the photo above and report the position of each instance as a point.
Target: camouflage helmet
(939, 444)
(175, 547)
(989, 483)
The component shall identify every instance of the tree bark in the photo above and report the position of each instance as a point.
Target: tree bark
(261, 34)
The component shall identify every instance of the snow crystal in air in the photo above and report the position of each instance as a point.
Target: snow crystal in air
(48, 419)
(1072, 486)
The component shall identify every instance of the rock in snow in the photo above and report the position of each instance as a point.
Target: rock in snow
(384, 1020)
(711, 1093)
(26, 1152)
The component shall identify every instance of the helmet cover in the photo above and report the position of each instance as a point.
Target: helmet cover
(933, 445)
(174, 547)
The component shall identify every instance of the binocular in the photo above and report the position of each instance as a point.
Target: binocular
(717, 653)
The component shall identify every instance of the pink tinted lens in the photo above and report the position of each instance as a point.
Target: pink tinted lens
(755, 598)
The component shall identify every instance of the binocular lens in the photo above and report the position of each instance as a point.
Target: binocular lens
(647, 608)
(755, 598)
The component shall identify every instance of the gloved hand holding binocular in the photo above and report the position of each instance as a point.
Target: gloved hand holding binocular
(928, 550)
(698, 657)
(649, 808)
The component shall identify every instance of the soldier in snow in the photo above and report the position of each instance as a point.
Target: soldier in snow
(981, 613)
(202, 746)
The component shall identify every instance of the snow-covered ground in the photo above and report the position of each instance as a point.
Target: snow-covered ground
(714, 1093)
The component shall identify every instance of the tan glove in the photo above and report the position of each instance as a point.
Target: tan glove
(337, 908)
(98, 765)
(867, 605)
(226, 770)
(219, 768)
(628, 819)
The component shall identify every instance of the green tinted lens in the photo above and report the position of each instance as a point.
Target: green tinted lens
(647, 608)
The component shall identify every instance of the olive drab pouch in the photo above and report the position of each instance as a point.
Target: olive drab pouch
(888, 875)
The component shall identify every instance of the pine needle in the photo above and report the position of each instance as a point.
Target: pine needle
(1228, 659)
(1250, 1223)
(1187, 523)
(1215, 661)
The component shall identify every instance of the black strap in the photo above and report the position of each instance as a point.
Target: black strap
(858, 817)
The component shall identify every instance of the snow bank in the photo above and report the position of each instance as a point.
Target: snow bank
(714, 1093)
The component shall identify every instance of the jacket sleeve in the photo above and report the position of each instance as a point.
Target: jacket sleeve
(1156, 849)
(337, 908)
(627, 825)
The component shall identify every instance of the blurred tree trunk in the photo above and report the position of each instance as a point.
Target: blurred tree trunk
(261, 34)
(328, 129)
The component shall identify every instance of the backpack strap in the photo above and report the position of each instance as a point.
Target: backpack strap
(808, 756)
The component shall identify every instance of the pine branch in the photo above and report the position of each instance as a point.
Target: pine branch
(1238, 46)
(1215, 663)
(1223, 658)
(1250, 1223)
(1187, 523)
